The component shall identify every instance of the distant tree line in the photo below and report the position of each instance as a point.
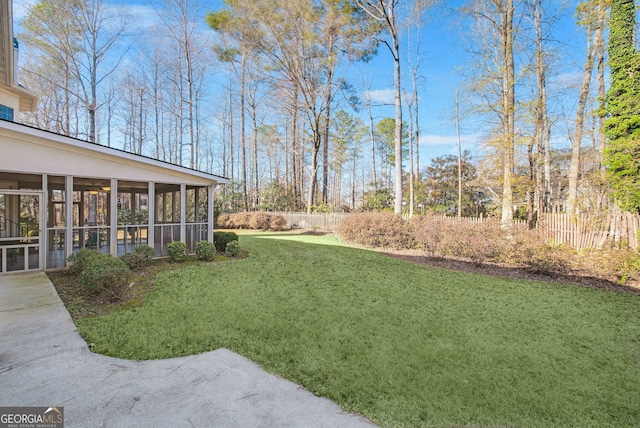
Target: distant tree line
(264, 94)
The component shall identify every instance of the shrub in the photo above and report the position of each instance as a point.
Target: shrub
(614, 264)
(80, 260)
(383, 230)
(239, 220)
(177, 251)
(430, 235)
(232, 249)
(106, 276)
(630, 269)
(278, 222)
(140, 257)
(145, 251)
(132, 260)
(221, 239)
(205, 250)
(259, 221)
(530, 249)
(222, 220)
(441, 237)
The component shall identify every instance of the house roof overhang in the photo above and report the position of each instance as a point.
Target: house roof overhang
(7, 78)
(24, 149)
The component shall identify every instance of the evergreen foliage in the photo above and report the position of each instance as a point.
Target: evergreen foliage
(622, 127)
(205, 250)
(177, 251)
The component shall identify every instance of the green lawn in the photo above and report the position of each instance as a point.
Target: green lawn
(401, 344)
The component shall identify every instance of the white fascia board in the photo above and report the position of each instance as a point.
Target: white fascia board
(37, 151)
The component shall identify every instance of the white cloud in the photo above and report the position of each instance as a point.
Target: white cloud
(380, 96)
(568, 80)
(384, 96)
(449, 140)
(142, 16)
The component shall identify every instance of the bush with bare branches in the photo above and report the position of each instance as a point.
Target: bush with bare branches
(382, 230)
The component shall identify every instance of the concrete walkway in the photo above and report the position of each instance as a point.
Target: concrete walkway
(45, 362)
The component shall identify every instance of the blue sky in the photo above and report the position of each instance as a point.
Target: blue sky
(444, 46)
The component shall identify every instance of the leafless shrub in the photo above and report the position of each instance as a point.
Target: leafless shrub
(532, 250)
(259, 221)
(278, 222)
(381, 230)
(222, 220)
(613, 263)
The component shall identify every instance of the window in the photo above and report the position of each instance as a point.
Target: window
(6, 113)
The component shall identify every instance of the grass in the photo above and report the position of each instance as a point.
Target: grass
(403, 345)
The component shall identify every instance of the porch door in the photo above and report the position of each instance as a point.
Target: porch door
(21, 226)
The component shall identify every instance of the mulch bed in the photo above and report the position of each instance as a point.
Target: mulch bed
(506, 271)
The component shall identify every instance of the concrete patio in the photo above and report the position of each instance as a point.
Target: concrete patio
(45, 362)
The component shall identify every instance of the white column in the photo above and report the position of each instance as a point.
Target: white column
(68, 220)
(44, 209)
(183, 213)
(210, 213)
(151, 215)
(113, 218)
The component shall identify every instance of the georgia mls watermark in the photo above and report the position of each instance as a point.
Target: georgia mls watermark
(31, 417)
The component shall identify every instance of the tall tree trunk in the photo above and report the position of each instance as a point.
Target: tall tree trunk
(508, 109)
(256, 177)
(373, 146)
(459, 159)
(231, 134)
(243, 141)
(574, 167)
(327, 125)
(313, 175)
(398, 104)
(542, 169)
(353, 177)
(294, 147)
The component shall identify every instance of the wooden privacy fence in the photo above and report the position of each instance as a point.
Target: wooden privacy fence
(327, 222)
(591, 230)
(578, 231)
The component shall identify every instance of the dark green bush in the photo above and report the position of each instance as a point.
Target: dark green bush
(145, 251)
(140, 257)
(232, 249)
(132, 260)
(177, 251)
(80, 260)
(106, 276)
(205, 250)
(221, 239)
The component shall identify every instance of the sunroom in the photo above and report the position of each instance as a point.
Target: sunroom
(59, 195)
